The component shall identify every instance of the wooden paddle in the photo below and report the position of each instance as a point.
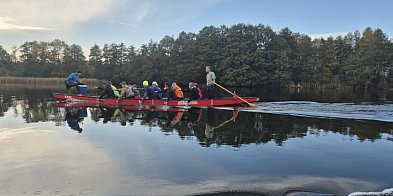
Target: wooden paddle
(249, 104)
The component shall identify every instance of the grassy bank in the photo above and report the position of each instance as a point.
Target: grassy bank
(47, 82)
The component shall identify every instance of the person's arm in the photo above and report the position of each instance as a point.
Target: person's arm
(73, 79)
(76, 78)
(144, 96)
(122, 93)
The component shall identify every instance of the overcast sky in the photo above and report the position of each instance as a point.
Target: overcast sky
(135, 22)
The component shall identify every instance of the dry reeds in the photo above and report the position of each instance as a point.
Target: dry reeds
(47, 82)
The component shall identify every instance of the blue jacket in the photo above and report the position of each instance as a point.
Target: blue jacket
(150, 92)
(73, 78)
(157, 91)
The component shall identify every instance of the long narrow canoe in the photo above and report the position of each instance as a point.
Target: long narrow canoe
(219, 102)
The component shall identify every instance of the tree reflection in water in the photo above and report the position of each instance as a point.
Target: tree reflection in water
(208, 126)
(218, 127)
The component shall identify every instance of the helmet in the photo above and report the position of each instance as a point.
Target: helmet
(145, 83)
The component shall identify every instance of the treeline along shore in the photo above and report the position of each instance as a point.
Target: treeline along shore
(241, 55)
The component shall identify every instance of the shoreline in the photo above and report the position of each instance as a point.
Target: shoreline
(55, 82)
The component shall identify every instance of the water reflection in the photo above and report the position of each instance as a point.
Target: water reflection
(214, 126)
(173, 151)
(209, 126)
(74, 116)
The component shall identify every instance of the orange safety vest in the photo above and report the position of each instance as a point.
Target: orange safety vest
(178, 92)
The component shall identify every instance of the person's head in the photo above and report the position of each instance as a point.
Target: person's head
(145, 83)
(109, 83)
(208, 68)
(191, 85)
(78, 71)
(173, 84)
(123, 84)
(154, 83)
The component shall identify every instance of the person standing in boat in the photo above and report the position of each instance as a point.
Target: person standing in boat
(210, 80)
(73, 80)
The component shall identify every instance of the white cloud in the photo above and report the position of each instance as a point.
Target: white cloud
(326, 35)
(49, 14)
(9, 23)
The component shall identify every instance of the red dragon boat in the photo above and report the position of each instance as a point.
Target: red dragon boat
(217, 102)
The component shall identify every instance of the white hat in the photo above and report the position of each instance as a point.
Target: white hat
(154, 83)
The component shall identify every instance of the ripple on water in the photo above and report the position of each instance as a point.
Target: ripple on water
(361, 111)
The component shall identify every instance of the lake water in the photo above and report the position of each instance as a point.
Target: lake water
(296, 141)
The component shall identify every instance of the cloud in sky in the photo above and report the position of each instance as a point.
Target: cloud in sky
(9, 23)
(49, 14)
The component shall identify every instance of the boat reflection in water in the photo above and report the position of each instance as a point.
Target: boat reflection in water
(218, 127)
(188, 122)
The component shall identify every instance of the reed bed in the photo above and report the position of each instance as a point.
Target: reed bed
(47, 82)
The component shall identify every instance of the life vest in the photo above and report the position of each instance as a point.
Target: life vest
(178, 92)
(117, 94)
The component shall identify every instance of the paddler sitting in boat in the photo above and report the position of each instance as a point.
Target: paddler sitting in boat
(109, 91)
(73, 80)
(194, 93)
(137, 94)
(149, 92)
(126, 91)
(157, 90)
(175, 92)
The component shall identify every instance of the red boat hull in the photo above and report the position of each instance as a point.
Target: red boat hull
(149, 102)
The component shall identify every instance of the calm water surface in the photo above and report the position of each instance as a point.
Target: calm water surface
(334, 142)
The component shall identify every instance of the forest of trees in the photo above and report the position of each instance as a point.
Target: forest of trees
(241, 55)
